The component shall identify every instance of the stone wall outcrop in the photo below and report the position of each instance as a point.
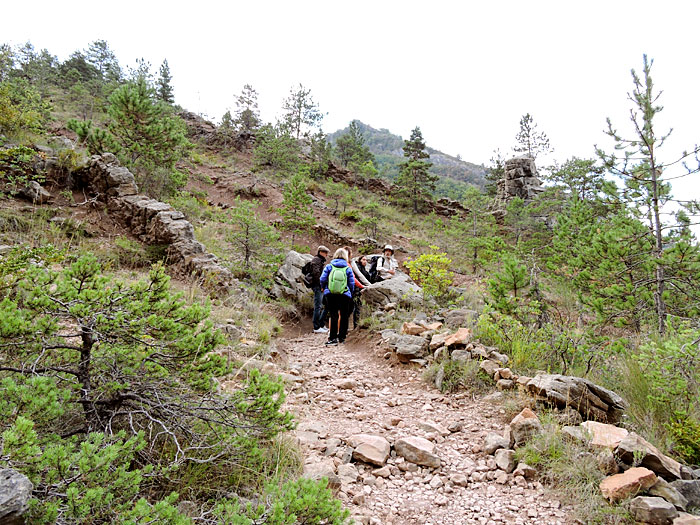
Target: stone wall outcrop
(519, 180)
(152, 221)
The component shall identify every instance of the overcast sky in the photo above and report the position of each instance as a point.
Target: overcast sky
(465, 72)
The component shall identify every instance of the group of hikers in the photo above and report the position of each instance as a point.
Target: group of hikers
(337, 286)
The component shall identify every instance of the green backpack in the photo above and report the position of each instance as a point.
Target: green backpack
(338, 280)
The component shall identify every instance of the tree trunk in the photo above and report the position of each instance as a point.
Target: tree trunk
(658, 251)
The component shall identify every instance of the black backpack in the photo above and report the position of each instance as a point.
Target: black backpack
(307, 275)
(373, 273)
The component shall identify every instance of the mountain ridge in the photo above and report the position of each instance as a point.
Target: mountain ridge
(387, 149)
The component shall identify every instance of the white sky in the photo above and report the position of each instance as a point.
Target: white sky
(465, 72)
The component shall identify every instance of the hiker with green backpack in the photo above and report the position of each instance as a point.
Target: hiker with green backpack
(338, 283)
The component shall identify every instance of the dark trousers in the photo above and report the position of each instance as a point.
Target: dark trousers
(319, 312)
(339, 308)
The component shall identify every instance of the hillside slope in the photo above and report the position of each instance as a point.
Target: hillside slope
(386, 147)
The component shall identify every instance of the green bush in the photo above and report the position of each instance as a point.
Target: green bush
(16, 168)
(458, 374)
(432, 272)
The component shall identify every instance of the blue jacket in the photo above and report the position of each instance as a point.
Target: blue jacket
(339, 263)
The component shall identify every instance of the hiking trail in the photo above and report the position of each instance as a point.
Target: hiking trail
(352, 389)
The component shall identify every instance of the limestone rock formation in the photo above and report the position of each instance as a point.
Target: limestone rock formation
(15, 491)
(288, 279)
(519, 180)
(590, 400)
(399, 289)
(152, 221)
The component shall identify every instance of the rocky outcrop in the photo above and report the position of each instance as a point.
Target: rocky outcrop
(15, 491)
(152, 221)
(398, 290)
(288, 279)
(34, 193)
(519, 180)
(590, 400)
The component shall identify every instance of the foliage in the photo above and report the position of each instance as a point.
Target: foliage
(22, 108)
(320, 154)
(255, 242)
(457, 374)
(164, 88)
(646, 178)
(496, 172)
(296, 502)
(415, 182)
(370, 223)
(16, 168)
(142, 131)
(247, 119)
(569, 468)
(300, 112)
(530, 141)
(335, 191)
(276, 149)
(297, 216)
(582, 178)
(432, 272)
(351, 150)
(512, 278)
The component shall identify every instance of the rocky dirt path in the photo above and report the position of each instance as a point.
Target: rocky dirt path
(351, 389)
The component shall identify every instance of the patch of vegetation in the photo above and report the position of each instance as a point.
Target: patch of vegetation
(457, 374)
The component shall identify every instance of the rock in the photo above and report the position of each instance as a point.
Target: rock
(633, 447)
(417, 450)
(346, 384)
(288, 282)
(461, 355)
(504, 373)
(435, 482)
(603, 435)
(407, 347)
(606, 462)
(413, 329)
(324, 468)
(686, 519)
(15, 491)
(370, 448)
(653, 510)
(494, 397)
(399, 289)
(432, 327)
(620, 486)
(525, 470)
(437, 428)
(665, 490)
(489, 367)
(524, 426)
(505, 460)
(383, 472)
(347, 472)
(590, 400)
(35, 193)
(438, 340)
(461, 317)
(504, 384)
(501, 359)
(519, 180)
(460, 338)
(493, 442)
(458, 479)
(689, 489)
(566, 415)
(575, 434)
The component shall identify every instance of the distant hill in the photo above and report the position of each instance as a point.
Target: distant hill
(387, 150)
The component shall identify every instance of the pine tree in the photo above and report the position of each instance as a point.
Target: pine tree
(415, 182)
(351, 150)
(301, 112)
(104, 60)
(647, 188)
(495, 172)
(255, 241)
(164, 88)
(530, 141)
(297, 216)
(247, 116)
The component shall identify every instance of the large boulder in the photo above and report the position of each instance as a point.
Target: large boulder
(519, 180)
(417, 450)
(652, 510)
(590, 400)
(15, 491)
(634, 449)
(629, 483)
(370, 448)
(525, 426)
(288, 279)
(604, 435)
(690, 489)
(399, 290)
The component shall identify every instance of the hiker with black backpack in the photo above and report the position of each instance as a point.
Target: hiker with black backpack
(338, 283)
(383, 267)
(311, 273)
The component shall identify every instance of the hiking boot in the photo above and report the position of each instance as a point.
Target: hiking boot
(332, 342)
(322, 330)
(341, 341)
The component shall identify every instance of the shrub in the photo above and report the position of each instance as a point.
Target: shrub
(16, 168)
(456, 374)
(21, 108)
(431, 272)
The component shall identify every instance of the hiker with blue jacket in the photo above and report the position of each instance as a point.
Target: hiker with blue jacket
(338, 283)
